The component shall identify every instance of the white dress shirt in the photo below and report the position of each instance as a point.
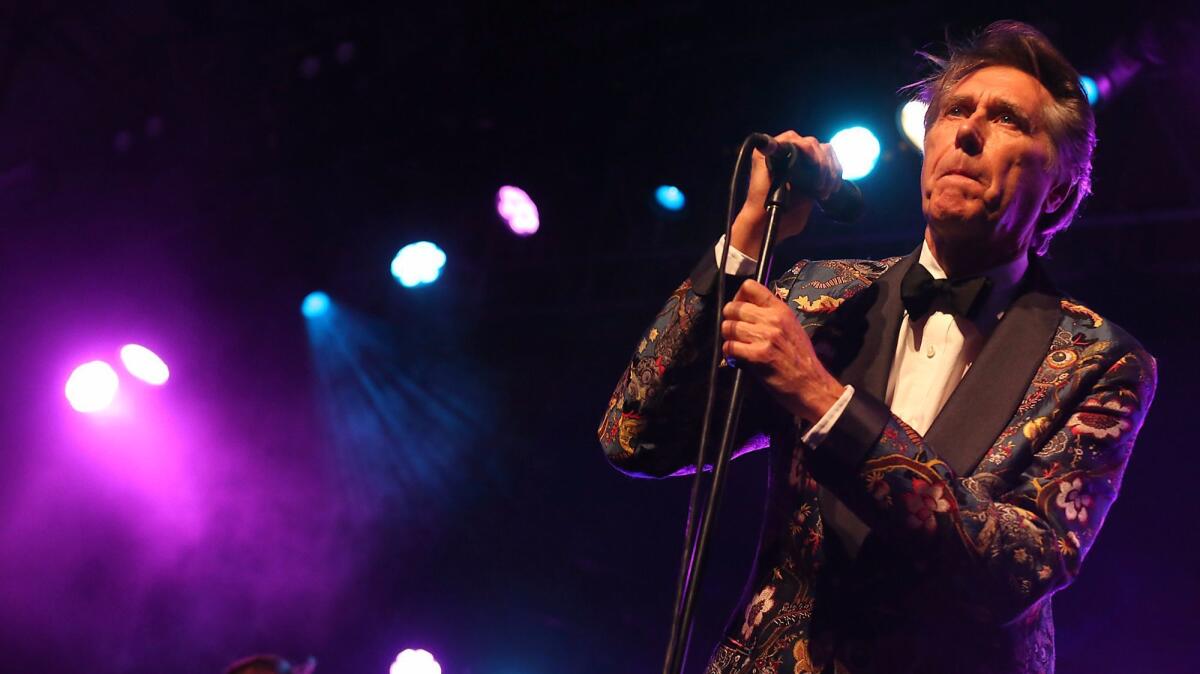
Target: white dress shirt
(932, 354)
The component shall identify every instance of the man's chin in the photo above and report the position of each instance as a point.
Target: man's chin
(955, 225)
(952, 208)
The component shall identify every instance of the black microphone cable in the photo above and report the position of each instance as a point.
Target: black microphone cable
(846, 204)
(678, 642)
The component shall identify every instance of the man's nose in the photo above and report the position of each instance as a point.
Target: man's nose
(969, 138)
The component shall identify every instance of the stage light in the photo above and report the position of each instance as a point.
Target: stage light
(310, 67)
(518, 210)
(122, 141)
(144, 364)
(912, 123)
(418, 264)
(857, 149)
(670, 197)
(92, 387)
(344, 53)
(1090, 88)
(315, 304)
(415, 661)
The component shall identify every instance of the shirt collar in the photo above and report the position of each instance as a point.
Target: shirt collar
(1005, 279)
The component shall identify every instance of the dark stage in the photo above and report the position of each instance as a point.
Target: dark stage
(417, 468)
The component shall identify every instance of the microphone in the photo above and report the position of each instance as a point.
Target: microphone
(844, 205)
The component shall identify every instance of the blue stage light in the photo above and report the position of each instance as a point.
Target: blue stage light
(857, 149)
(315, 304)
(1090, 88)
(418, 264)
(670, 197)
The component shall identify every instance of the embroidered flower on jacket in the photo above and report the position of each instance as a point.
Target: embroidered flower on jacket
(1067, 547)
(1108, 425)
(1072, 499)
(814, 539)
(879, 487)
(802, 513)
(781, 293)
(922, 502)
(822, 305)
(999, 455)
(761, 603)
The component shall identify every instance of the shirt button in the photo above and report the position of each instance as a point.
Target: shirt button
(930, 352)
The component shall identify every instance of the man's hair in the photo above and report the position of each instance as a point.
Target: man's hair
(1068, 119)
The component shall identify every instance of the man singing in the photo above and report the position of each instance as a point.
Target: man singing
(947, 430)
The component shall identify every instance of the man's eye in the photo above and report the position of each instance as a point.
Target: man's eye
(954, 110)
(1006, 118)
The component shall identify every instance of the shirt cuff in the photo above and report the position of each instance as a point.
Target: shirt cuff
(816, 435)
(855, 435)
(738, 264)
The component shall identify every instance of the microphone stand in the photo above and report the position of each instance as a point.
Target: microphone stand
(779, 168)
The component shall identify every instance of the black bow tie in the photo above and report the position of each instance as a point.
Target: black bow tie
(921, 292)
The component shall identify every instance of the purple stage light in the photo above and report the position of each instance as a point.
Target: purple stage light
(154, 126)
(122, 141)
(518, 210)
(415, 661)
(344, 53)
(144, 364)
(310, 67)
(92, 387)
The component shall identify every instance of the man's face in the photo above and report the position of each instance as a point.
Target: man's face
(986, 176)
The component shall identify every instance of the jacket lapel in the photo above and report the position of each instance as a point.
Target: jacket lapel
(984, 401)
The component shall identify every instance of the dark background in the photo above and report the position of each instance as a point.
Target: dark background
(182, 174)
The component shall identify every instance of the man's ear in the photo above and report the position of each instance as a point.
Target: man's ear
(1058, 195)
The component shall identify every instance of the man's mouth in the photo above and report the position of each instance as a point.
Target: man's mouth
(961, 172)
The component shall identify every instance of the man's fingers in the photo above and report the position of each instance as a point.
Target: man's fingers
(739, 351)
(741, 310)
(837, 164)
(831, 171)
(790, 137)
(754, 292)
(749, 353)
(739, 331)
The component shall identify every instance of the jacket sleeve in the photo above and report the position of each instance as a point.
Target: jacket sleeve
(998, 549)
(651, 427)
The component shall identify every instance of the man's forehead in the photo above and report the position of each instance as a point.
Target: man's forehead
(1004, 84)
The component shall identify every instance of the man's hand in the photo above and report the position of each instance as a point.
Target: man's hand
(751, 221)
(763, 334)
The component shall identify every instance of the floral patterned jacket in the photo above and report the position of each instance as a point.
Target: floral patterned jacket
(951, 544)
